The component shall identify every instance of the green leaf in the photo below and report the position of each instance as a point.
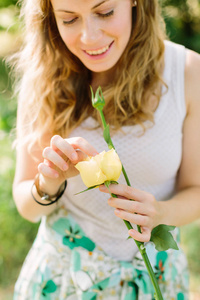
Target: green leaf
(106, 134)
(90, 188)
(75, 261)
(107, 183)
(113, 182)
(86, 243)
(162, 238)
(50, 287)
(89, 295)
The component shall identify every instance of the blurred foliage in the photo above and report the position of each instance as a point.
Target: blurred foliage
(6, 3)
(16, 234)
(182, 18)
(8, 105)
(191, 243)
(9, 19)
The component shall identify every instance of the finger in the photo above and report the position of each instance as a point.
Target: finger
(59, 144)
(141, 237)
(83, 145)
(128, 205)
(137, 219)
(70, 146)
(81, 156)
(55, 158)
(47, 171)
(48, 163)
(127, 192)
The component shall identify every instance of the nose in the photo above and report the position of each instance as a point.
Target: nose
(90, 33)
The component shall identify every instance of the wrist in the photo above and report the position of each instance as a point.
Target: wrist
(47, 190)
(163, 217)
(47, 185)
(45, 198)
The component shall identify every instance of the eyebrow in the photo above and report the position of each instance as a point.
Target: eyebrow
(71, 12)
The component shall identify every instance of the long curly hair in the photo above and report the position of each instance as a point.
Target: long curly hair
(54, 85)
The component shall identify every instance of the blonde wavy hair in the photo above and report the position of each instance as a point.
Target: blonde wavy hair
(54, 86)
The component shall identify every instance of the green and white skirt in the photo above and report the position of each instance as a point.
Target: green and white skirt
(64, 264)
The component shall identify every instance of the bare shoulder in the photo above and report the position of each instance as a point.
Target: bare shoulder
(189, 173)
(192, 78)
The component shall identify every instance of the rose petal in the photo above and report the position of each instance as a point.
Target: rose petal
(90, 172)
(111, 165)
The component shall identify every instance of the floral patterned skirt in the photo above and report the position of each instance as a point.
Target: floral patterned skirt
(64, 264)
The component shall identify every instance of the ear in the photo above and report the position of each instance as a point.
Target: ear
(134, 3)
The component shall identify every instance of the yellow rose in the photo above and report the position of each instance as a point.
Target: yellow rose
(97, 169)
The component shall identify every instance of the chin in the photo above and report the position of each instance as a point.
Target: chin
(99, 68)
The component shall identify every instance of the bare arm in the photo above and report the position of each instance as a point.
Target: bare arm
(55, 164)
(26, 169)
(184, 207)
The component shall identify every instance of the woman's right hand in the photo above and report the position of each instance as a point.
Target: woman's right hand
(59, 161)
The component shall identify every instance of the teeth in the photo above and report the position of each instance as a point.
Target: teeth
(97, 52)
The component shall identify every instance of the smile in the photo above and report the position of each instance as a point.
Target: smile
(99, 51)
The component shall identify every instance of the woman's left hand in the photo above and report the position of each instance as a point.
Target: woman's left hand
(144, 210)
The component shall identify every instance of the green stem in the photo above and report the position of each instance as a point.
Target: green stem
(140, 245)
(102, 119)
(125, 176)
(142, 250)
(151, 274)
(110, 145)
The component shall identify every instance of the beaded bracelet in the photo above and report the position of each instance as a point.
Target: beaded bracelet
(44, 196)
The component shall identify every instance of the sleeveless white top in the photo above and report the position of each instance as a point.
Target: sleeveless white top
(150, 160)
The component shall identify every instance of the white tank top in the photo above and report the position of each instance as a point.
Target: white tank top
(151, 162)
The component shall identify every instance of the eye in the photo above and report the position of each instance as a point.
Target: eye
(108, 14)
(70, 21)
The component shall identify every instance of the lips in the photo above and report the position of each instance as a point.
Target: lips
(98, 51)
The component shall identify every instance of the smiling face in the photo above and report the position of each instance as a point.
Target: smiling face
(95, 31)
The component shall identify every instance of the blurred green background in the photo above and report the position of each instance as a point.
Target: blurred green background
(182, 18)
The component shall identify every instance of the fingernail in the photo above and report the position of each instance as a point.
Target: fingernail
(65, 167)
(131, 231)
(74, 156)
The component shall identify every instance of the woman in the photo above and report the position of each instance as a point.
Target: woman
(152, 104)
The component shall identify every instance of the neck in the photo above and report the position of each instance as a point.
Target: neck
(102, 78)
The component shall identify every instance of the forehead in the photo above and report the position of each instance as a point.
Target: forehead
(84, 3)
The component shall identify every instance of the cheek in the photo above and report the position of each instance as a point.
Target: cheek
(68, 38)
(122, 29)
